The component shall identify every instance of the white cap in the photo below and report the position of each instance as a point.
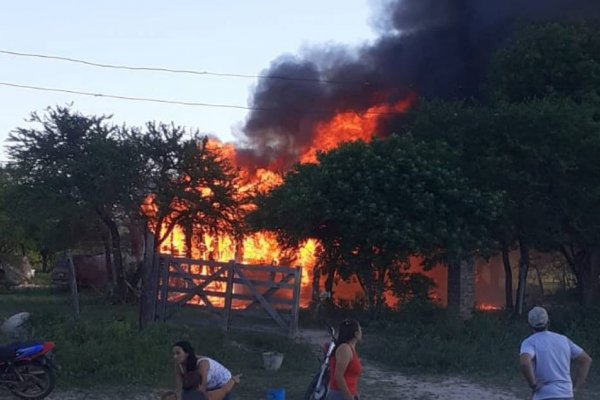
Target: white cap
(538, 317)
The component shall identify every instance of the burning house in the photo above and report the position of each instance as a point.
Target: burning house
(330, 95)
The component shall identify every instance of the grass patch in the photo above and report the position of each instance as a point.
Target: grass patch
(104, 347)
(42, 278)
(485, 348)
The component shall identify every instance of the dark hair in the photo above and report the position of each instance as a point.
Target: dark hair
(541, 328)
(191, 364)
(191, 380)
(347, 331)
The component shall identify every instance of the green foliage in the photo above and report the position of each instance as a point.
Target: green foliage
(411, 287)
(376, 204)
(7, 239)
(540, 154)
(77, 171)
(75, 159)
(192, 182)
(557, 60)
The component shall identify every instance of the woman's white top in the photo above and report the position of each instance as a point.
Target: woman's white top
(217, 375)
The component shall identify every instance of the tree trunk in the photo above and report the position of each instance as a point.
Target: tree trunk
(523, 273)
(73, 284)
(44, 253)
(188, 240)
(136, 233)
(590, 279)
(108, 258)
(539, 278)
(316, 286)
(316, 297)
(585, 265)
(331, 270)
(461, 287)
(158, 239)
(367, 288)
(508, 279)
(119, 270)
(574, 265)
(379, 291)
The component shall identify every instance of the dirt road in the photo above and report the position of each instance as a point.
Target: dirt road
(379, 383)
(376, 384)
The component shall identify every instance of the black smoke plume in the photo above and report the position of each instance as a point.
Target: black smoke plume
(435, 48)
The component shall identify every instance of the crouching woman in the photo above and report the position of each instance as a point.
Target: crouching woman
(214, 380)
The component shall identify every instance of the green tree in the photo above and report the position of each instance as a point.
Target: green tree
(82, 162)
(8, 243)
(559, 61)
(192, 184)
(556, 60)
(539, 154)
(378, 204)
(41, 222)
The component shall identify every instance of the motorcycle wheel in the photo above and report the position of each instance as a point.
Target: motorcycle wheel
(39, 381)
(318, 393)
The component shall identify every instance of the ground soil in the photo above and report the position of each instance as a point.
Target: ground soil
(380, 383)
(377, 383)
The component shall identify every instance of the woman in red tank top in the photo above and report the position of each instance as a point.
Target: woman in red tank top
(345, 365)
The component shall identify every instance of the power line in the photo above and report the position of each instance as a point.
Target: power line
(183, 103)
(178, 71)
(132, 98)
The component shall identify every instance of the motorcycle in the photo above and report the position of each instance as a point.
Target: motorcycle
(318, 388)
(28, 370)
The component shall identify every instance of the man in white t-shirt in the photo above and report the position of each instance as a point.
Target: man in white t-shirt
(546, 361)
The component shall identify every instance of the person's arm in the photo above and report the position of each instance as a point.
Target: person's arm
(526, 366)
(219, 394)
(203, 367)
(582, 368)
(343, 356)
(178, 380)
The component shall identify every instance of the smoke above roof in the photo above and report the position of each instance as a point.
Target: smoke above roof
(436, 48)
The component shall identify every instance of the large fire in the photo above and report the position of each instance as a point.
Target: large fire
(262, 247)
(348, 127)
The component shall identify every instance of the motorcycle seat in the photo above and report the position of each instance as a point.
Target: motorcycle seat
(9, 352)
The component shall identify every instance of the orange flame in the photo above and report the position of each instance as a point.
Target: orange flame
(349, 127)
(262, 247)
(488, 307)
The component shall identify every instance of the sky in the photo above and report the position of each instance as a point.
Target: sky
(234, 36)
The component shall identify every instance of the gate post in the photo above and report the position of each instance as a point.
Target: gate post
(164, 292)
(296, 303)
(149, 289)
(228, 296)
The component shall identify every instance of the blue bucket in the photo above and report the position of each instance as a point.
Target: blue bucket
(276, 394)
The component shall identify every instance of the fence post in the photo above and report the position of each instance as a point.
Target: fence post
(155, 284)
(296, 303)
(228, 296)
(147, 310)
(74, 291)
(164, 294)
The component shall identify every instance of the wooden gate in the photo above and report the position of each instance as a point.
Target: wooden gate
(234, 295)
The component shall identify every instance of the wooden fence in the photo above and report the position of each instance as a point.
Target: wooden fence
(233, 295)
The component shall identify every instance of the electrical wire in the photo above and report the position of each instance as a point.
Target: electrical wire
(178, 71)
(182, 103)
